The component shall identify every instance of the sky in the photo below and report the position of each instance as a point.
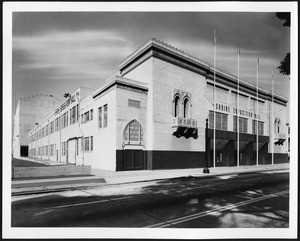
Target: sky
(57, 52)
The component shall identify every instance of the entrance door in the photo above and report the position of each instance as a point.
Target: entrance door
(134, 160)
(72, 152)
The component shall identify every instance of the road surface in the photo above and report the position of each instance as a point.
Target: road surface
(255, 200)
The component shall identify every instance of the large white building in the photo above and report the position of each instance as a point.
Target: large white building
(152, 115)
(30, 110)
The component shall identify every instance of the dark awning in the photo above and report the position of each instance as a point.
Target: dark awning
(187, 132)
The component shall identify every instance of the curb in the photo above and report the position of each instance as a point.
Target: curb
(59, 188)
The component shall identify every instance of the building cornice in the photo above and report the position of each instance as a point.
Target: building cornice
(121, 82)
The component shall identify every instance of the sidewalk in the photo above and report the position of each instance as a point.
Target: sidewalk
(102, 177)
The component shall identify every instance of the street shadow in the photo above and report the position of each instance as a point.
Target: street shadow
(188, 202)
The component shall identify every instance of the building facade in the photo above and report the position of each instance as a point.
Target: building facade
(152, 115)
(29, 111)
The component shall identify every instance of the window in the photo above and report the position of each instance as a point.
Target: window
(176, 110)
(133, 131)
(221, 121)
(91, 114)
(260, 127)
(105, 116)
(86, 144)
(77, 147)
(56, 124)
(86, 117)
(277, 125)
(52, 127)
(66, 119)
(243, 124)
(73, 115)
(100, 116)
(186, 108)
(77, 113)
(91, 143)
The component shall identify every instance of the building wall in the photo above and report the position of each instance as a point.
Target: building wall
(144, 73)
(30, 110)
(126, 113)
(104, 154)
(167, 76)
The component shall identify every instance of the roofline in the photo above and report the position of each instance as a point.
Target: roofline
(121, 81)
(207, 69)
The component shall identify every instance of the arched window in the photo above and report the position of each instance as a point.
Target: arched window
(176, 109)
(133, 132)
(186, 104)
(277, 125)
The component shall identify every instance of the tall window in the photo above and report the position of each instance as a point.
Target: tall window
(105, 116)
(100, 116)
(176, 106)
(73, 115)
(86, 117)
(186, 108)
(86, 144)
(56, 124)
(91, 114)
(77, 113)
(243, 124)
(92, 142)
(77, 147)
(260, 127)
(221, 121)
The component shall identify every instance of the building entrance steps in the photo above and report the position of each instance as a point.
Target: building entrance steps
(103, 177)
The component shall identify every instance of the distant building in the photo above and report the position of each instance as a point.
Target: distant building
(152, 115)
(29, 111)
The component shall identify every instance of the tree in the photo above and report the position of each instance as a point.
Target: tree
(67, 95)
(284, 67)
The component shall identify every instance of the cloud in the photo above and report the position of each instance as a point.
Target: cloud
(82, 53)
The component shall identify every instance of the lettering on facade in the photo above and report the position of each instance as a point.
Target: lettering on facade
(222, 107)
(134, 103)
(241, 112)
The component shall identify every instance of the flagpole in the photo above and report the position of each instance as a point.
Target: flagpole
(272, 114)
(238, 106)
(214, 144)
(257, 111)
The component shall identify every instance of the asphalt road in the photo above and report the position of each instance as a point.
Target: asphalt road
(255, 200)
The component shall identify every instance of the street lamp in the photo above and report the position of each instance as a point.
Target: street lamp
(206, 170)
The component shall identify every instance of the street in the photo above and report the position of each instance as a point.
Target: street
(253, 200)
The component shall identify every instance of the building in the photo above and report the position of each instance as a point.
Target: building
(152, 115)
(29, 111)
